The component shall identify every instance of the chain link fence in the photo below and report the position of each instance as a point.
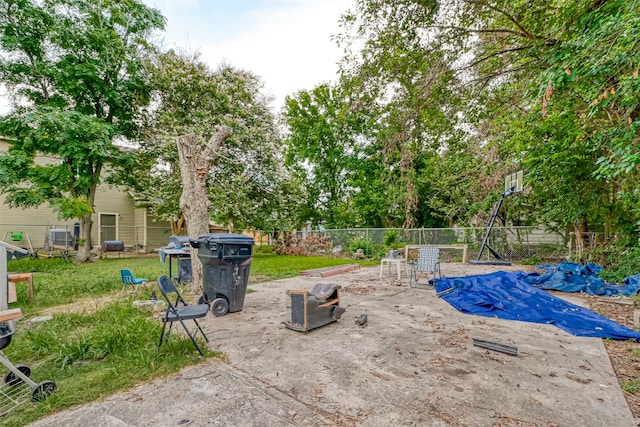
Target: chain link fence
(534, 244)
(39, 238)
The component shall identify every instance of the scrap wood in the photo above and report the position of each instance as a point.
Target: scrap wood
(330, 271)
(491, 345)
(12, 314)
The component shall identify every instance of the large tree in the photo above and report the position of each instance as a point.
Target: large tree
(407, 76)
(74, 70)
(226, 134)
(326, 144)
(549, 86)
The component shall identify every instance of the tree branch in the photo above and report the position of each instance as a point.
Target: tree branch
(478, 61)
(486, 79)
(503, 12)
(485, 31)
(517, 23)
(210, 154)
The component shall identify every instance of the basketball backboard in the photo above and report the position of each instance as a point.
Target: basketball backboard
(514, 182)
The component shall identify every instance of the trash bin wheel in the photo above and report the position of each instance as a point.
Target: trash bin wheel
(5, 341)
(42, 390)
(12, 379)
(202, 299)
(219, 307)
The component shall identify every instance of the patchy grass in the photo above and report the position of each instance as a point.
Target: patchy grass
(632, 386)
(91, 354)
(267, 267)
(57, 282)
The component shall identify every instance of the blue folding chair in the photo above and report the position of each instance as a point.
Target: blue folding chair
(128, 279)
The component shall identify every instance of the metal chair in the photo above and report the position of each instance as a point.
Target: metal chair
(428, 262)
(128, 279)
(179, 311)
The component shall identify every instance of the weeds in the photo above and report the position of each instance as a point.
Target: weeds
(619, 262)
(632, 386)
(90, 356)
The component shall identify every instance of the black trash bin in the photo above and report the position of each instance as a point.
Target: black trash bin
(226, 261)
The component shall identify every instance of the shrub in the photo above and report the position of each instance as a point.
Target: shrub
(366, 244)
(618, 262)
(263, 249)
(390, 237)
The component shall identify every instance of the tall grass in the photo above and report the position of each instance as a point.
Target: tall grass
(92, 355)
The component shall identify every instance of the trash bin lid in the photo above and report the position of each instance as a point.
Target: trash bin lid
(177, 242)
(237, 239)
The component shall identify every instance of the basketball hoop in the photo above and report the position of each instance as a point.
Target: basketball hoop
(513, 183)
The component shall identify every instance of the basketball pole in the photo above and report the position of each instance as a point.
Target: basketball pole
(515, 182)
(485, 241)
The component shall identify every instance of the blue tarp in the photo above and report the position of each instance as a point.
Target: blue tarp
(573, 277)
(508, 296)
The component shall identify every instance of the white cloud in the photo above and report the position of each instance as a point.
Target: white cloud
(286, 42)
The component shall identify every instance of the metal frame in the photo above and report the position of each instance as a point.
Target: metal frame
(179, 311)
(428, 262)
(513, 184)
(18, 388)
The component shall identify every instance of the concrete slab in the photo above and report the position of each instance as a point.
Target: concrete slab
(413, 363)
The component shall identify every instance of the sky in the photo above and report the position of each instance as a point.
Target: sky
(285, 42)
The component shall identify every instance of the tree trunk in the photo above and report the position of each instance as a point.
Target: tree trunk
(86, 224)
(177, 227)
(84, 250)
(195, 163)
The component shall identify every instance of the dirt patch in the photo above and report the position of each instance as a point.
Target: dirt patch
(84, 305)
(624, 355)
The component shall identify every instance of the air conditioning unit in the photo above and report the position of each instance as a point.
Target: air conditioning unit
(59, 238)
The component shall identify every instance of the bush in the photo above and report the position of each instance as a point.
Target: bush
(390, 237)
(366, 244)
(263, 249)
(533, 260)
(618, 262)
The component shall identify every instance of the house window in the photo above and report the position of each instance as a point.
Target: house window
(108, 227)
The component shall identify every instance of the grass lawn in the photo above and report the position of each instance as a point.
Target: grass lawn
(91, 355)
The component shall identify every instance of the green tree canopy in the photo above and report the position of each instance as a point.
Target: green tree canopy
(326, 148)
(474, 89)
(247, 186)
(74, 70)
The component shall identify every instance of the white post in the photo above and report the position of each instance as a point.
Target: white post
(4, 285)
